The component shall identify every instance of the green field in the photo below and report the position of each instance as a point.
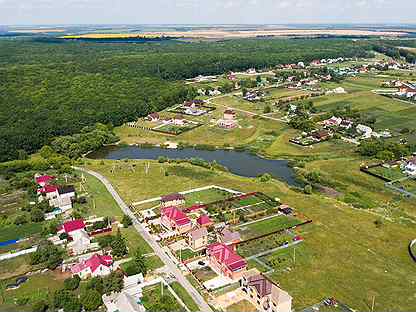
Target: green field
(38, 287)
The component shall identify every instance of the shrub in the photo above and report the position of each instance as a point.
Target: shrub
(19, 220)
(72, 283)
(127, 221)
(308, 189)
(40, 306)
(91, 300)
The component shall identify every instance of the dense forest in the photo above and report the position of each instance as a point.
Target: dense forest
(51, 88)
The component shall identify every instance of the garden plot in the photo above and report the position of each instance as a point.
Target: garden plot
(176, 127)
(192, 109)
(265, 226)
(390, 173)
(243, 208)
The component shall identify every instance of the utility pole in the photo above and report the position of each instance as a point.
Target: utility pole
(294, 255)
(372, 305)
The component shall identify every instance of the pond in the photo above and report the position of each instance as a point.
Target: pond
(239, 163)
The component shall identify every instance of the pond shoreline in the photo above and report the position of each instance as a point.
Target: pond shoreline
(239, 162)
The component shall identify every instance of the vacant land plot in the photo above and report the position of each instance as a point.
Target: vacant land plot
(267, 226)
(152, 298)
(242, 306)
(263, 244)
(204, 274)
(206, 196)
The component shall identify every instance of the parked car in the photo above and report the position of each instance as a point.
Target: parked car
(19, 281)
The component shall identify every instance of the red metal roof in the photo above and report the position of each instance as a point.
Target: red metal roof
(73, 225)
(225, 255)
(44, 179)
(176, 215)
(49, 189)
(204, 220)
(93, 263)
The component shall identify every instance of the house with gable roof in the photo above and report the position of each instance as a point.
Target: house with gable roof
(204, 221)
(170, 200)
(44, 180)
(80, 240)
(96, 265)
(224, 260)
(175, 219)
(198, 239)
(410, 167)
(264, 294)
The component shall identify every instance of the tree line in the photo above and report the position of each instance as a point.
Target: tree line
(52, 88)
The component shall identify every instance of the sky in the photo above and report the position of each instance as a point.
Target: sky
(29, 12)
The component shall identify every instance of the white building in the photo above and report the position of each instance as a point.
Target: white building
(410, 167)
(365, 131)
(129, 299)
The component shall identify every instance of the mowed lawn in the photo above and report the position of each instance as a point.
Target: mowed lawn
(348, 256)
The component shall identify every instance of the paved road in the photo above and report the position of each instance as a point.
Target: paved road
(199, 300)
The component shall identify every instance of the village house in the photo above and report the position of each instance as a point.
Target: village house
(364, 131)
(44, 180)
(175, 219)
(231, 76)
(204, 221)
(229, 120)
(410, 167)
(407, 89)
(129, 299)
(63, 198)
(96, 265)
(198, 239)
(80, 241)
(49, 191)
(175, 199)
(264, 294)
(346, 124)
(251, 71)
(153, 117)
(72, 228)
(333, 121)
(321, 135)
(225, 261)
(229, 237)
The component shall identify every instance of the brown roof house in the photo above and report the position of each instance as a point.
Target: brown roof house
(265, 294)
(198, 239)
(228, 237)
(172, 200)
